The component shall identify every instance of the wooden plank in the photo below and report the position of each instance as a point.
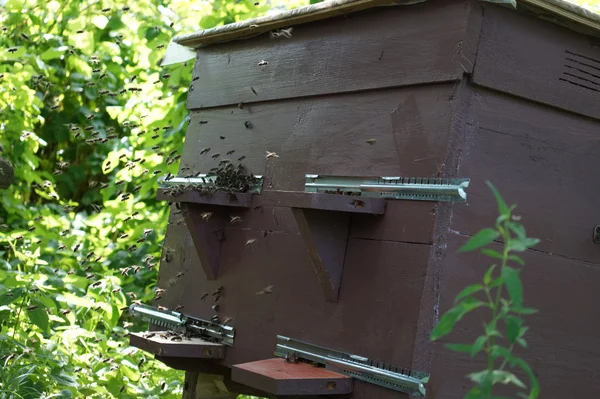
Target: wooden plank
(531, 58)
(409, 126)
(193, 347)
(545, 162)
(242, 200)
(385, 47)
(325, 202)
(562, 336)
(278, 377)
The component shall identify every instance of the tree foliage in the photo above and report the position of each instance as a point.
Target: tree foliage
(89, 120)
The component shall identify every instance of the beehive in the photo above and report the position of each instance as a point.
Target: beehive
(447, 88)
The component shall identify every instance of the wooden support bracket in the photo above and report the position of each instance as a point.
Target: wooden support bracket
(325, 233)
(278, 377)
(196, 348)
(207, 232)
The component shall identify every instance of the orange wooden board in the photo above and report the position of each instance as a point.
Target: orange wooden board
(278, 377)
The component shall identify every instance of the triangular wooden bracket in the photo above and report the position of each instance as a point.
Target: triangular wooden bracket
(206, 226)
(325, 235)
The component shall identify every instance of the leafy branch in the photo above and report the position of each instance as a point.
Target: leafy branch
(506, 328)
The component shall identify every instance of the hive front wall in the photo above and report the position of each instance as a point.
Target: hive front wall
(346, 96)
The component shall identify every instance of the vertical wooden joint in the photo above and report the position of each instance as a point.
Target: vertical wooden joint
(325, 235)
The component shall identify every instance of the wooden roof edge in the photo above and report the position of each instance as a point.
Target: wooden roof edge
(281, 20)
(574, 16)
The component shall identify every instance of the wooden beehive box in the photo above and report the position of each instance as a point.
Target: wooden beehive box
(446, 88)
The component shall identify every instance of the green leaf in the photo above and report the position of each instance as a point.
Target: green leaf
(483, 237)
(513, 328)
(492, 253)
(39, 317)
(459, 347)
(448, 320)
(523, 310)
(488, 275)
(468, 291)
(522, 244)
(534, 391)
(478, 345)
(522, 342)
(513, 284)
(502, 207)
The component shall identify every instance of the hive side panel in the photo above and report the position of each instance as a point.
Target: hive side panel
(562, 337)
(396, 132)
(546, 161)
(538, 60)
(378, 48)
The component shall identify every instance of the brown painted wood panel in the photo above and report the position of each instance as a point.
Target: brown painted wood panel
(562, 338)
(538, 60)
(382, 47)
(375, 316)
(545, 161)
(328, 135)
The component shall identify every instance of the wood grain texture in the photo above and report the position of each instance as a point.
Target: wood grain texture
(193, 347)
(7, 173)
(329, 136)
(325, 235)
(528, 57)
(319, 201)
(242, 200)
(277, 377)
(544, 161)
(378, 323)
(562, 336)
(378, 48)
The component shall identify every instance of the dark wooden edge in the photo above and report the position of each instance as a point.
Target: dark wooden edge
(326, 202)
(242, 200)
(325, 235)
(195, 348)
(269, 375)
(7, 173)
(207, 236)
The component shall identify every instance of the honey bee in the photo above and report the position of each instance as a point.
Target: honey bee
(178, 308)
(235, 219)
(371, 141)
(267, 290)
(155, 136)
(80, 31)
(204, 296)
(123, 236)
(271, 155)
(215, 156)
(160, 46)
(32, 307)
(162, 308)
(250, 241)
(215, 307)
(166, 76)
(31, 228)
(105, 10)
(263, 63)
(61, 247)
